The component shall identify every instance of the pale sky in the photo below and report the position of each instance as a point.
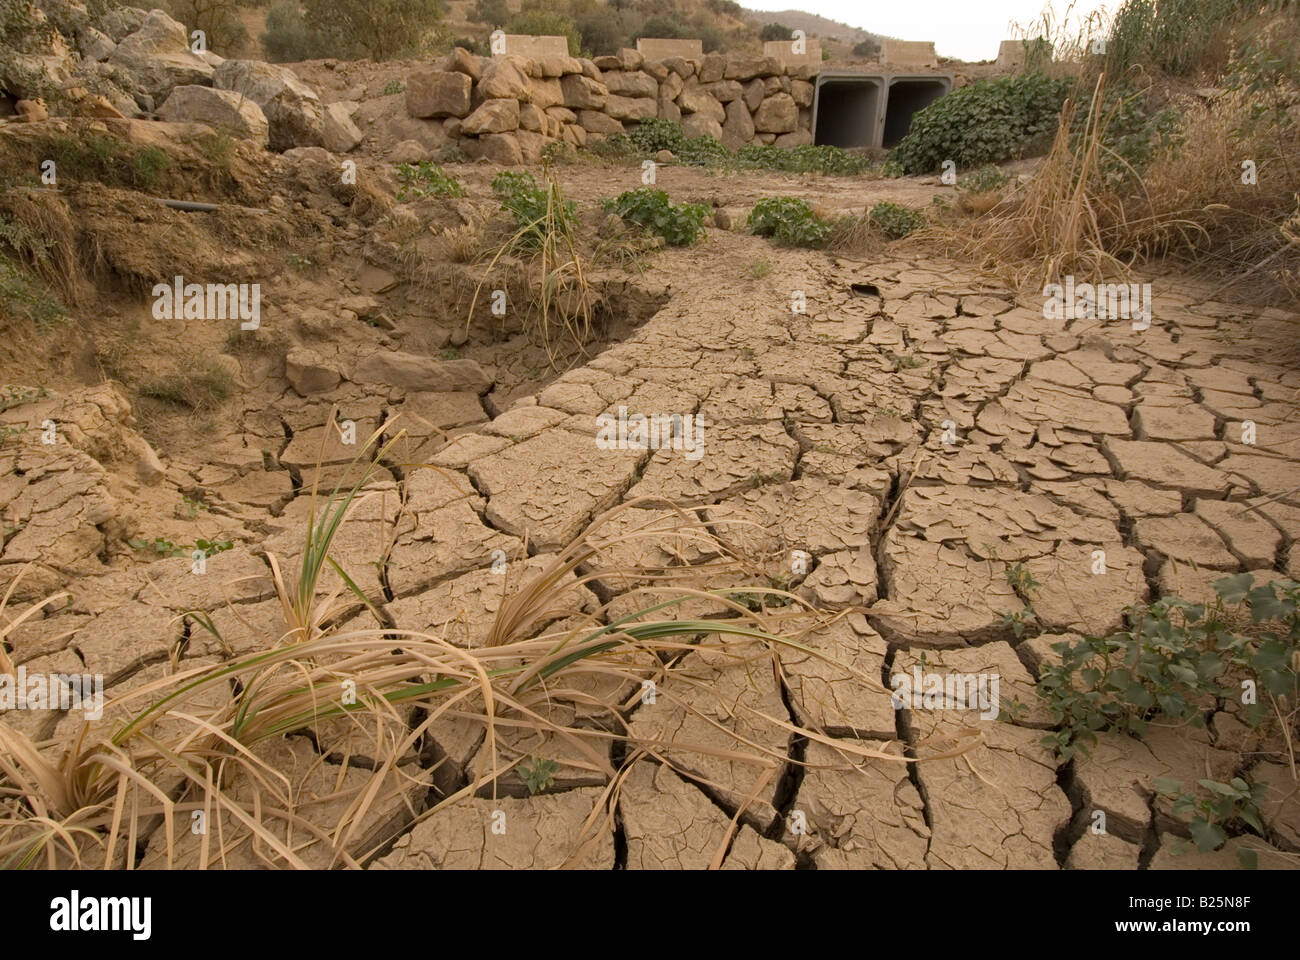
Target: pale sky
(965, 29)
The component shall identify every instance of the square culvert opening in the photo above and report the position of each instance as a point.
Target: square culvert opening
(847, 111)
(906, 98)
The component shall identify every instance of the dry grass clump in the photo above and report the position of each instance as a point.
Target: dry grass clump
(314, 751)
(1114, 193)
(560, 314)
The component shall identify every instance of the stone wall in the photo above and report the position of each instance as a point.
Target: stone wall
(507, 108)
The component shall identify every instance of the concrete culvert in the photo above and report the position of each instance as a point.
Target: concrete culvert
(870, 110)
(846, 112)
(907, 96)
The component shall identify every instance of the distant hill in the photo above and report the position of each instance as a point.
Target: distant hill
(815, 26)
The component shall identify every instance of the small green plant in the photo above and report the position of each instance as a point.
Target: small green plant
(759, 269)
(539, 775)
(557, 151)
(789, 221)
(15, 396)
(534, 209)
(614, 147)
(163, 547)
(652, 135)
(895, 221)
(1023, 583)
(426, 179)
(393, 86)
(1225, 802)
(1175, 655)
(987, 178)
(679, 224)
(906, 361)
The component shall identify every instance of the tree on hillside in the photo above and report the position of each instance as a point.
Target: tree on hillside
(867, 48)
(775, 31)
(494, 13)
(382, 28)
(542, 23)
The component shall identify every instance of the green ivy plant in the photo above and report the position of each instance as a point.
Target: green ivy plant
(1175, 656)
(895, 221)
(789, 221)
(426, 179)
(539, 775)
(1221, 803)
(987, 121)
(679, 224)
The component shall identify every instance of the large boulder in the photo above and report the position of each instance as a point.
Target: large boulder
(631, 108)
(223, 109)
(308, 372)
(583, 93)
(462, 61)
(503, 79)
(340, 134)
(158, 57)
(739, 128)
(293, 110)
(777, 114)
(502, 148)
(700, 125)
(593, 121)
(637, 84)
(438, 93)
(546, 93)
(492, 116)
(95, 45)
(696, 101)
(122, 22)
(724, 91)
(712, 67)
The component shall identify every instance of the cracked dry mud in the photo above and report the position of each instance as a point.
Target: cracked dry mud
(1071, 437)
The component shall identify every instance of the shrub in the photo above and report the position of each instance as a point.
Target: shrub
(384, 29)
(775, 31)
(426, 179)
(867, 48)
(543, 23)
(288, 38)
(988, 121)
(494, 13)
(895, 221)
(224, 31)
(652, 135)
(788, 221)
(679, 224)
(27, 300)
(706, 150)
